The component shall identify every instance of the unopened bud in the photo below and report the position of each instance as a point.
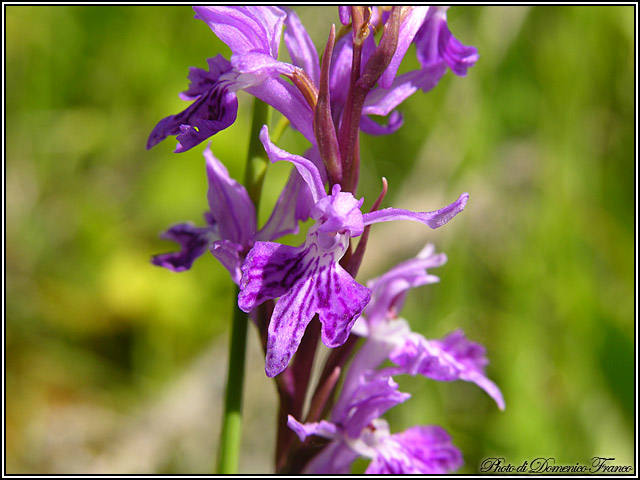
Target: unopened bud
(323, 126)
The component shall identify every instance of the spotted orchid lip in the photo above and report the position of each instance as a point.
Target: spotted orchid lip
(306, 280)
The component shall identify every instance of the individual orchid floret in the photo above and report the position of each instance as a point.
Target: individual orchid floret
(390, 337)
(436, 49)
(231, 226)
(452, 358)
(308, 279)
(358, 431)
(230, 229)
(436, 44)
(390, 289)
(427, 28)
(253, 35)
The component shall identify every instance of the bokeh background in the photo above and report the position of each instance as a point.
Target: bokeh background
(116, 366)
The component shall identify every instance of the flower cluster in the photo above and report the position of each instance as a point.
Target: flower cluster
(286, 288)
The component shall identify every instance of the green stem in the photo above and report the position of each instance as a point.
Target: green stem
(279, 129)
(257, 161)
(256, 169)
(232, 421)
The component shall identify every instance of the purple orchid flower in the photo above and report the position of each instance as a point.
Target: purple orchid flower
(231, 229)
(308, 279)
(436, 49)
(253, 35)
(357, 430)
(389, 337)
(436, 44)
(452, 358)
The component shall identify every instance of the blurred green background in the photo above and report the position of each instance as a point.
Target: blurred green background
(116, 366)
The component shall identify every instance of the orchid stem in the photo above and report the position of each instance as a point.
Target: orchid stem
(232, 420)
(230, 438)
(257, 161)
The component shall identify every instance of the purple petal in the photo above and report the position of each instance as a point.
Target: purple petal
(335, 459)
(293, 312)
(308, 280)
(433, 219)
(345, 14)
(302, 51)
(228, 254)
(390, 289)
(256, 67)
(339, 212)
(435, 44)
(381, 101)
(470, 354)
(294, 204)
(229, 203)
(417, 450)
(194, 241)
(288, 100)
(408, 29)
(375, 395)
(413, 270)
(436, 49)
(370, 355)
(418, 356)
(269, 270)
(368, 125)
(207, 116)
(379, 15)
(303, 430)
(320, 286)
(214, 110)
(313, 154)
(202, 80)
(245, 29)
(429, 76)
(453, 358)
(306, 168)
(339, 301)
(459, 57)
(432, 446)
(471, 361)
